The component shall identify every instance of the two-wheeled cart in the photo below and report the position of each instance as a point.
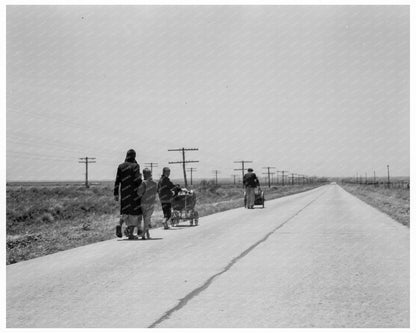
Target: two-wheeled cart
(258, 198)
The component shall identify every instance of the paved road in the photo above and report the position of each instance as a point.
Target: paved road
(321, 258)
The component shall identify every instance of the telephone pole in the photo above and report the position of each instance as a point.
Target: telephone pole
(277, 177)
(151, 165)
(216, 175)
(234, 176)
(86, 160)
(191, 170)
(283, 176)
(184, 161)
(374, 177)
(268, 173)
(388, 176)
(242, 168)
(293, 178)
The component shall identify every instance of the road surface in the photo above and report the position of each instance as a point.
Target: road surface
(321, 258)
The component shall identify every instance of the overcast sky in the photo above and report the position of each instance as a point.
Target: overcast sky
(317, 90)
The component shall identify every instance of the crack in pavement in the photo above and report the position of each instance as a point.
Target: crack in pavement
(183, 301)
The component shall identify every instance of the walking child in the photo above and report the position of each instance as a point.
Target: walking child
(147, 194)
(164, 189)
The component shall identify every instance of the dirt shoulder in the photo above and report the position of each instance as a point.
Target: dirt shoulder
(395, 202)
(43, 221)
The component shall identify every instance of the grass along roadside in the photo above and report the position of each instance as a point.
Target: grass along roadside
(395, 202)
(42, 221)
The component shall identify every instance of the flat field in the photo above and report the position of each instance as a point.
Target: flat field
(394, 201)
(41, 220)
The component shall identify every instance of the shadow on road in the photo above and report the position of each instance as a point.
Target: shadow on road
(135, 240)
(182, 226)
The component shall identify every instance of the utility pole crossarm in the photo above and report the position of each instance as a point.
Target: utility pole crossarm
(184, 161)
(181, 149)
(242, 168)
(180, 162)
(268, 173)
(86, 160)
(151, 165)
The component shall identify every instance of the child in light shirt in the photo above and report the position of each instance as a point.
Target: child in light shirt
(147, 193)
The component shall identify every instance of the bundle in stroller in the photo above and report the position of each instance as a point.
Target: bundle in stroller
(183, 206)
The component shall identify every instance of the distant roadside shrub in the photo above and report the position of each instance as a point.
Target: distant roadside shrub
(208, 186)
(57, 210)
(86, 224)
(45, 218)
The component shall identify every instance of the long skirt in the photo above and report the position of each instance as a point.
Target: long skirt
(250, 196)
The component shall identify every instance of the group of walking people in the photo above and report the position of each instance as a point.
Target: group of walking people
(137, 197)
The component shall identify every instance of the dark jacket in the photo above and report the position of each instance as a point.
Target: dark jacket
(251, 180)
(128, 179)
(164, 189)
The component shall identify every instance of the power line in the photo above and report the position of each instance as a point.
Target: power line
(76, 125)
(24, 156)
(86, 160)
(62, 146)
(63, 150)
(242, 168)
(43, 156)
(184, 161)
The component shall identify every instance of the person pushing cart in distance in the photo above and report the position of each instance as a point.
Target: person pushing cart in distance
(250, 182)
(164, 189)
(147, 194)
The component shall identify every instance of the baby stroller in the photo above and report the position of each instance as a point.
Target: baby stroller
(183, 207)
